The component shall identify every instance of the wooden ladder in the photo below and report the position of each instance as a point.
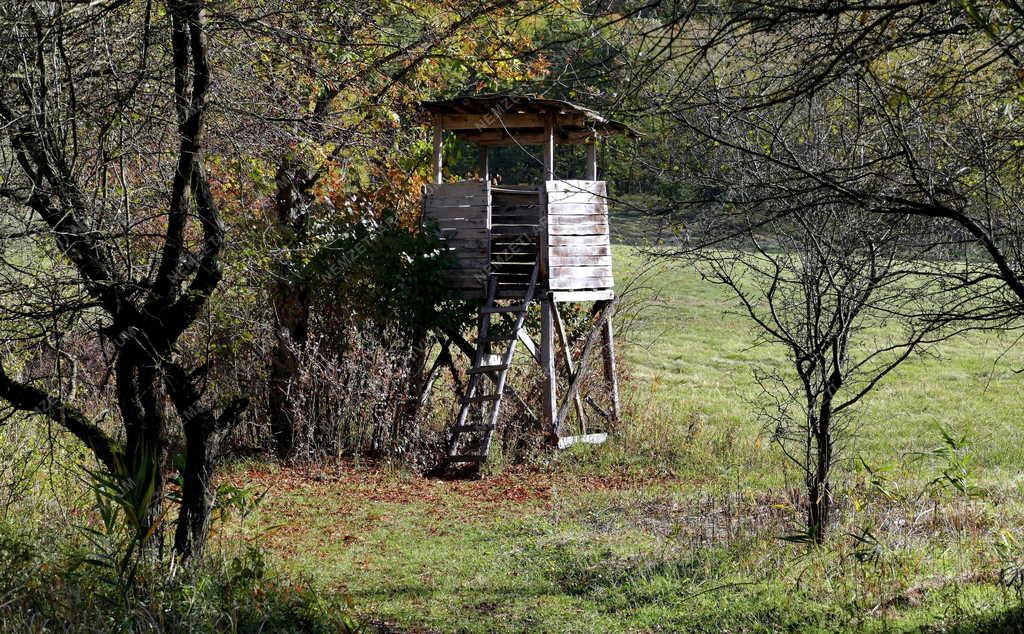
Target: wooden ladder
(469, 441)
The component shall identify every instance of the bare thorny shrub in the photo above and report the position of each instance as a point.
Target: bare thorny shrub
(353, 401)
(351, 396)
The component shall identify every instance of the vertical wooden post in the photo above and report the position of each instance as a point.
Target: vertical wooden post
(438, 137)
(549, 148)
(591, 173)
(484, 167)
(610, 377)
(549, 409)
(563, 339)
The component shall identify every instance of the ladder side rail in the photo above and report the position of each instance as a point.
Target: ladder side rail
(474, 379)
(510, 353)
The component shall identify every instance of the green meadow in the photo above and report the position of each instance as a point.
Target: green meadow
(679, 522)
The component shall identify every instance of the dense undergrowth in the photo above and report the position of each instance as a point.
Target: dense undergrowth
(48, 583)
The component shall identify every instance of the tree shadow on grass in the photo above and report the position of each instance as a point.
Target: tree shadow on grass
(1007, 622)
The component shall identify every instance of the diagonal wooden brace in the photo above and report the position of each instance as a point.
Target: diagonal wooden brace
(605, 312)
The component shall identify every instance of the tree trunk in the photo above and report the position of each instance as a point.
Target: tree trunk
(291, 304)
(197, 496)
(819, 507)
(144, 418)
(290, 294)
(204, 434)
(416, 383)
(819, 487)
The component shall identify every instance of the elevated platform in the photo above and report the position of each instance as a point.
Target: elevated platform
(498, 231)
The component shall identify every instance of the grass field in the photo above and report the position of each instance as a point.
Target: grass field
(676, 523)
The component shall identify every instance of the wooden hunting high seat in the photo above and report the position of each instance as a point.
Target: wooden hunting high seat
(546, 243)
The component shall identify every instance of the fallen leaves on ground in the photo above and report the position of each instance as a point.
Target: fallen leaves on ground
(343, 491)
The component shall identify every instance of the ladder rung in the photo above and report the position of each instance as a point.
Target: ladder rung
(488, 368)
(480, 399)
(469, 457)
(462, 428)
(497, 338)
(514, 308)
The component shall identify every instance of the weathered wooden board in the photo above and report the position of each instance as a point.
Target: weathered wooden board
(583, 296)
(579, 249)
(516, 214)
(515, 189)
(575, 185)
(518, 209)
(469, 251)
(574, 272)
(579, 283)
(464, 233)
(458, 237)
(467, 273)
(524, 262)
(468, 260)
(531, 199)
(576, 208)
(462, 227)
(513, 280)
(467, 188)
(580, 260)
(581, 271)
(517, 242)
(579, 229)
(472, 262)
(574, 219)
(578, 241)
(578, 197)
(585, 439)
(474, 212)
(465, 255)
(458, 240)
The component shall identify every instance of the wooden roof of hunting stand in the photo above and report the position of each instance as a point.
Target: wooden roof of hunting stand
(542, 243)
(520, 120)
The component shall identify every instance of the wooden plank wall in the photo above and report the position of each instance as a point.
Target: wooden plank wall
(462, 212)
(579, 248)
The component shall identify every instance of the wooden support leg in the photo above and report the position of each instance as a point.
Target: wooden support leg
(570, 366)
(604, 312)
(549, 409)
(439, 363)
(610, 375)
